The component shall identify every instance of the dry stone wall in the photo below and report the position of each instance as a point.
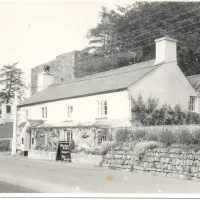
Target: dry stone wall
(119, 158)
(175, 163)
(165, 162)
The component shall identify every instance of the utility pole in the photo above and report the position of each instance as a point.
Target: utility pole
(14, 125)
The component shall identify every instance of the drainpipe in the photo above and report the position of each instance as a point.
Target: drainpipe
(14, 125)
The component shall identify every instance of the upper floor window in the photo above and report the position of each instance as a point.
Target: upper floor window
(102, 108)
(44, 112)
(192, 104)
(8, 109)
(69, 112)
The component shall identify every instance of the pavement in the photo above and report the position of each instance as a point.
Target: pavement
(56, 177)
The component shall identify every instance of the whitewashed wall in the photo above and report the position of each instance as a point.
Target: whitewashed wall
(84, 108)
(168, 83)
(6, 116)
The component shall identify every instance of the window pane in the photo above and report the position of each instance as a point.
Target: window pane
(8, 109)
(192, 103)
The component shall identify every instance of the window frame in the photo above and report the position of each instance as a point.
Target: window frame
(69, 112)
(68, 135)
(102, 108)
(44, 112)
(8, 106)
(193, 103)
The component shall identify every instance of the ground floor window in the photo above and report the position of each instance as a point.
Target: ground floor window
(68, 135)
(102, 139)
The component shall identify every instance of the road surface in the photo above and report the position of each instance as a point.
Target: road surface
(9, 188)
(57, 177)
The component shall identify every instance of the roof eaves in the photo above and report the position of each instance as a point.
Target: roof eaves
(72, 97)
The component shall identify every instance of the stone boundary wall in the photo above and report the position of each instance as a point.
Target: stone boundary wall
(82, 158)
(79, 158)
(165, 162)
(119, 158)
(174, 163)
(44, 155)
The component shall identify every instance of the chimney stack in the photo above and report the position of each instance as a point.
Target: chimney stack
(45, 79)
(166, 50)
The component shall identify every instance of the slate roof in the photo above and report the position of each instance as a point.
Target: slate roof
(195, 81)
(104, 82)
(6, 130)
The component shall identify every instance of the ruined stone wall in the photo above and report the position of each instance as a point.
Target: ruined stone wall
(62, 67)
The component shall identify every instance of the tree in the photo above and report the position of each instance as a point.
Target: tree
(126, 35)
(10, 81)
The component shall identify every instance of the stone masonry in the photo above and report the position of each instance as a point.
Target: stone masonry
(62, 67)
(165, 162)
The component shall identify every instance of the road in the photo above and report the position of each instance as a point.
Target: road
(9, 188)
(57, 177)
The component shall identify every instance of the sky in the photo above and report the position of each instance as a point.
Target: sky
(33, 32)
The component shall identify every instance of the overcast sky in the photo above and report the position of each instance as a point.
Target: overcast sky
(33, 32)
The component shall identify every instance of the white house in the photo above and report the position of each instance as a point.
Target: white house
(6, 111)
(104, 99)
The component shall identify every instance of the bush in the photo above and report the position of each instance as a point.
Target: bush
(148, 113)
(122, 134)
(140, 134)
(92, 151)
(4, 145)
(141, 147)
(72, 144)
(45, 148)
(196, 137)
(192, 118)
(153, 136)
(185, 137)
(167, 137)
(106, 146)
